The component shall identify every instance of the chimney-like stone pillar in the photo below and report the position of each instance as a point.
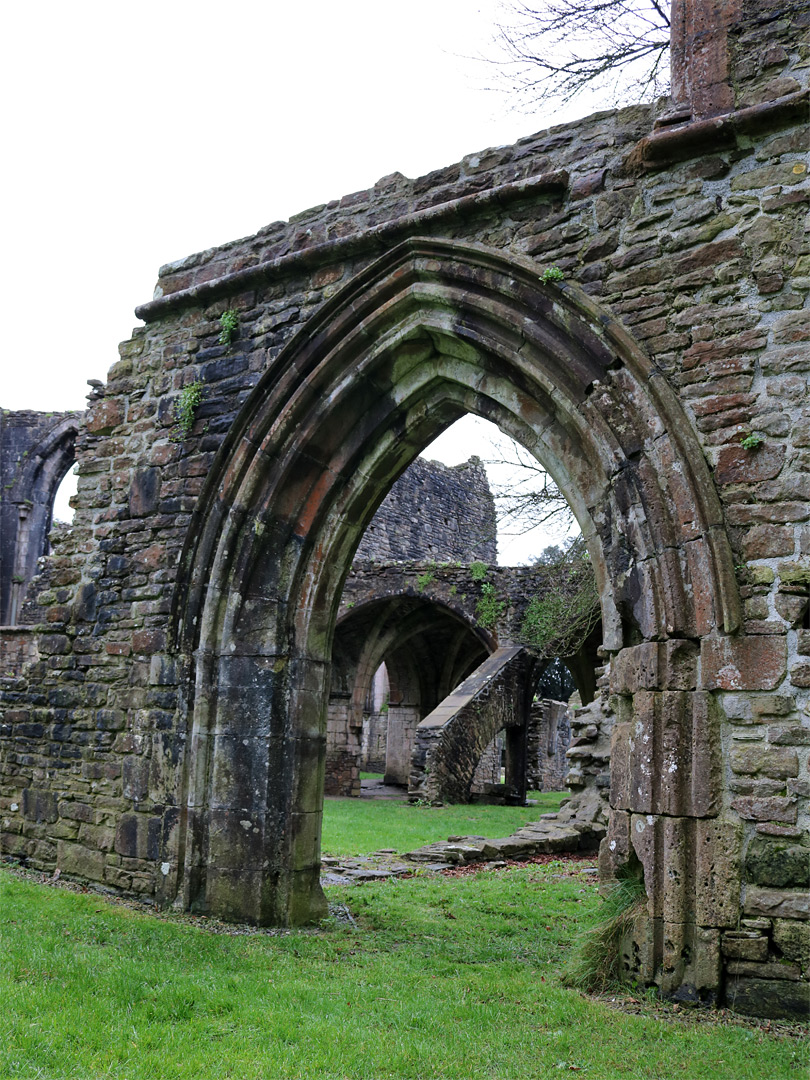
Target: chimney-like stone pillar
(701, 86)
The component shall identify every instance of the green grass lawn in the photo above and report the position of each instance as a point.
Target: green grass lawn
(359, 826)
(435, 978)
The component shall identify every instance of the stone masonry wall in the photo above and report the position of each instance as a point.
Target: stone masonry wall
(372, 749)
(695, 239)
(549, 736)
(435, 512)
(451, 741)
(454, 587)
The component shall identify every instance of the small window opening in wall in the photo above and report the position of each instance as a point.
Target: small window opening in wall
(62, 510)
(805, 623)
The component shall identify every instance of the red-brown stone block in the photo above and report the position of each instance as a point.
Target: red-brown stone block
(105, 415)
(747, 663)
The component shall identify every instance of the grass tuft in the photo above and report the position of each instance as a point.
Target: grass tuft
(595, 965)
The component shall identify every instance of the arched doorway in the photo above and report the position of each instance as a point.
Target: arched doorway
(427, 650)
(430, 331)
(44, 451)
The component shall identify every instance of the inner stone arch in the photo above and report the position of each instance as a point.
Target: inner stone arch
(427, 650)
(38, 449)
(430, 331)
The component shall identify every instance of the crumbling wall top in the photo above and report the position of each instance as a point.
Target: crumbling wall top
(435, 512)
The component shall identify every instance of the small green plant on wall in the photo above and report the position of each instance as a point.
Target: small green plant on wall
(185, 409)
(560, 617)
(489, 608)
(751, 441)
(229, 324)
(425, 579)
(552, 273)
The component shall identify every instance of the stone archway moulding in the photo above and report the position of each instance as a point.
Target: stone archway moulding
(41, 454)
(430, 331)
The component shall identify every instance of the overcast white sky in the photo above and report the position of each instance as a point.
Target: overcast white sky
(139, 133)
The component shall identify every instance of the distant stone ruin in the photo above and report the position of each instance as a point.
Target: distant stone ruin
(434, 513)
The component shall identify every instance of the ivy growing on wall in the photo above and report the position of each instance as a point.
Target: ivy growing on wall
(558, 620)
(185, 409)
(489, 608)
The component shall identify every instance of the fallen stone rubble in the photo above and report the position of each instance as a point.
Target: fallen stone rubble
(576, 827)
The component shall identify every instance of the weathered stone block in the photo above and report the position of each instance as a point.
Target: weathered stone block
(668, 665)
(792, 939)
(76, 811)
(736, 465)
(96, 837)
(148, 641)
(768, 761)
(79, 861)
(774, 808)
(635, 668)
(144, 492)
(768, 997)
(138, 836)
(791, 608)
(771, 969)
(777, 863)
(797, 734)
(800, 674)
(136, 777)
(40, 805)
(105, 415)
(666, 760)
(773, 705)
(768, 541)
(717, 872)
(749, 663)
(691, 962)
(745, 945)
(777, 903)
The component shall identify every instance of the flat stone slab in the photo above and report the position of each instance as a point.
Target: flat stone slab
(509, 847)
(549, 834)
(350, 870)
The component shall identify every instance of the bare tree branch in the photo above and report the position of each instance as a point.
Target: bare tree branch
(529, 498)
(556, 49)
(562, 615)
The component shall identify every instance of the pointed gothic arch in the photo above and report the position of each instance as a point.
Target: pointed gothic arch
(45, 452)
(428, 647)
(431, 330)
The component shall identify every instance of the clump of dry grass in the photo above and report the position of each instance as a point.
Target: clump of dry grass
(596, 962)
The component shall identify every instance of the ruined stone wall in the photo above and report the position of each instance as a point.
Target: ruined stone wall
(454, 587)
(549, 736)
(343, 747)
(435, 513)
(452, 739)
(375, 724)
(375, 737)
(431, 513)
(694, 238)
(36, 450)
(487, 773)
